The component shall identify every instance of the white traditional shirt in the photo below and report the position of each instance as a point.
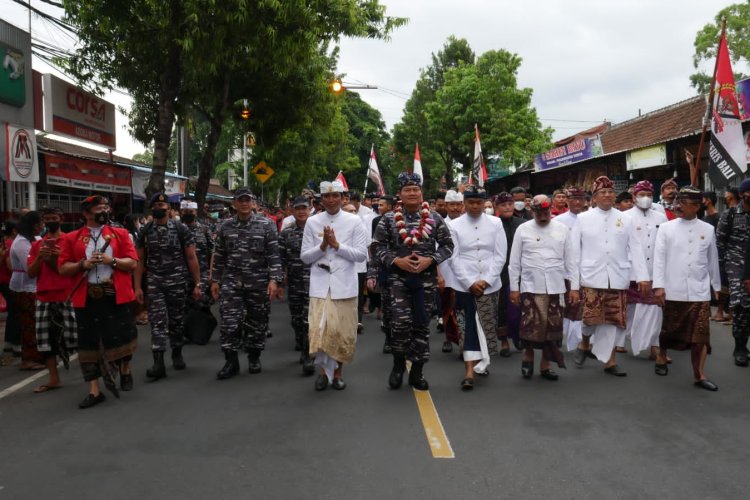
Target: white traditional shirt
(367, 226)
(609, 252)
(542, 258)
(367, 214)
(479, 252)
(686, 262)
(445, 267)
(647, 223)
(332, 270)
(568, 218)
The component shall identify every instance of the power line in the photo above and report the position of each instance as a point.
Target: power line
(55, 4)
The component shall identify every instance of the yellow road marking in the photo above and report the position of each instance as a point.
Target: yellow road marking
(433, 427)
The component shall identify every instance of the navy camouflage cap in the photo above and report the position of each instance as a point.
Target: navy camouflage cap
(243, 191)
(409, 179)
(300, 201)
(158, 198)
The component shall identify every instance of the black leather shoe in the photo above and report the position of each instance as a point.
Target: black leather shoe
(614, 370)
(321, 384)
(396, 377)
(338, 384)
(707, 384)
(661, 370)
(740, 359)
(360, 329)
(527, 369)
(231, 367)
(158, 370)
(387, 349)
(253, 358)
(178, 363)
(579, 357)
(416, 379)
(308, 366)
(447, 347)
(92, 400)
(505, 352)
(549, 375)
(126, 382)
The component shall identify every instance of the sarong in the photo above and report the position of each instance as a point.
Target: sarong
(604, 307)
(644, 326)
(572, 321)
(685, 324)
(542, 325)
(508, 315)
(450, 322)
(55, 322)
(24, 304)
(333, 331)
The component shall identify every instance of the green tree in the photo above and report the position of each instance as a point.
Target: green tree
(706, 43)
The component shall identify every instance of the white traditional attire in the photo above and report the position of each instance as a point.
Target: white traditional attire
(572, 323)
(333, 286)
(644, 314)
(610, 254)
(479, 253)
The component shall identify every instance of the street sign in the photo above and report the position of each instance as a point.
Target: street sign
(262, 172)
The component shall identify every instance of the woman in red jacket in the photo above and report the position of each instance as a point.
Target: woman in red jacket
(102, 257)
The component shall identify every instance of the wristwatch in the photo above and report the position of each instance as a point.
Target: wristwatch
(114, 263)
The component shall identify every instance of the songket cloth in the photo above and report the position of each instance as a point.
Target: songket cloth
(333, 331)
(542, 325)
(685, 324)
(604, 319)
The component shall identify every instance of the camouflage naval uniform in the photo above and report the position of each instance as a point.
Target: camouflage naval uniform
(410, 316)
(246, 258)
(204, 247)
(298, 282)
(379, 272)
(164, 246)
(731, 239)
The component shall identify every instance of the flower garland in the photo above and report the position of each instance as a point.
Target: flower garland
(414, 236)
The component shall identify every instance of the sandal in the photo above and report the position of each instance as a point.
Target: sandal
(467, 384)
(33, 367)
(46, 388)
(527, 369)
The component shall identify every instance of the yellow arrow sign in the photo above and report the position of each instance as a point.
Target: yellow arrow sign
(262, 172)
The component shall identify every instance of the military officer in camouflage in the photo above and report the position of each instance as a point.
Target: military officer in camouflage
(411, 241)
(246, 272)
(204, 247)
(297, 279)
(166, 252)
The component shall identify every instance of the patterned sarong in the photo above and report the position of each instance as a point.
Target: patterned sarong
(542, 325)
(603, 306)
(685, 324)
(333, 327)
(573, 313)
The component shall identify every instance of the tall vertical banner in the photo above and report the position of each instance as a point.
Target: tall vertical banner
(374, 173)
(478, 169)
(726, 150)
(418, 164)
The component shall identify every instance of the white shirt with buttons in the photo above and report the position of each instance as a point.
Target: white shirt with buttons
(647, 223)
(542, 258)
(686, 262)
(479, 251)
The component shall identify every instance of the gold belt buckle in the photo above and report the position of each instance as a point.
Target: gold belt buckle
(96, 291)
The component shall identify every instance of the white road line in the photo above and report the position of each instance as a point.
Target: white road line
(23, 383)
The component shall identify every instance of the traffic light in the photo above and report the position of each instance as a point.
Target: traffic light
(337, 86)
(245, 113)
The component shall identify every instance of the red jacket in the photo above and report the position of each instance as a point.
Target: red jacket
(73, 249)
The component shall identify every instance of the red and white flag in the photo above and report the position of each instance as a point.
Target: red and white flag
(726, 150)
(373, 173)
(340, 177)
(478, 169)
(418, 164)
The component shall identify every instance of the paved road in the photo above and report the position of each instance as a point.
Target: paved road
(271, 436)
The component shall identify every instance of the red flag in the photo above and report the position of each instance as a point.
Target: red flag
(478, 170)
(340, 177)
(374, 173)
(726, 150)
(418, 164)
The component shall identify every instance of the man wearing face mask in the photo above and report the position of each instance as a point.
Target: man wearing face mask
(519, 203)
(610, 256)
(204, 248)
(166, 251)
(644, 314)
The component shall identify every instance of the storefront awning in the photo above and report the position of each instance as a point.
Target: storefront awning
(86, 175)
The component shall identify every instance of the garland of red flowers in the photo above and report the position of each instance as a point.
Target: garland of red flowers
(414, 236)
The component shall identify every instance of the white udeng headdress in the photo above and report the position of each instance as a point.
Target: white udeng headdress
(331, 187)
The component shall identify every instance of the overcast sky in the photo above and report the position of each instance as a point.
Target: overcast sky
(585, 60)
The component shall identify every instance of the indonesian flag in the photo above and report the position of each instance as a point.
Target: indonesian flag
(418, 164)
(373, 173)
(726, 150)
(340, 178)
(478, 169)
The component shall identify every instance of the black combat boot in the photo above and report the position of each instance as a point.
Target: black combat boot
(253, 357)
(231, 367)
(740, 352)
(397, 373)
(308, 364)
(387, 349)
(416, 380)
(178, 363)
(158, 370)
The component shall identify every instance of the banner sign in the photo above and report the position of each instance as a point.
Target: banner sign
(172, 185)
(73, 112)
(652, 156)
(88, 175)
(20, 162)
(582, 149)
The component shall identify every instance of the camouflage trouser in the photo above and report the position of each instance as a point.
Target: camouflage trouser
(166, 311)
(387, 306)
(410, 320)
(299, 300)
(244, 317)
(741, 325)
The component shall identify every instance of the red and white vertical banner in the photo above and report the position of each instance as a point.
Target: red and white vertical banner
(373, 173)
(478, 168)
(340, 178)
(418, 164)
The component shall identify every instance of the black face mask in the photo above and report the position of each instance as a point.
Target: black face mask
(188, 218)
(159, 213)
(746, 199)
(52, 227)
(101, 218)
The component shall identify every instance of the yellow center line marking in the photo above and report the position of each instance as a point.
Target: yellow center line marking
(433, 427)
